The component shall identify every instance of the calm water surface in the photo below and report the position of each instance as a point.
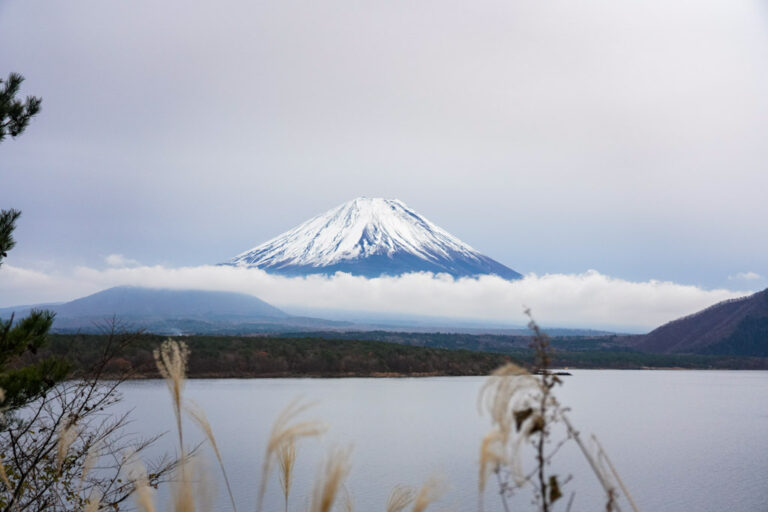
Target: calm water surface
(681, 440)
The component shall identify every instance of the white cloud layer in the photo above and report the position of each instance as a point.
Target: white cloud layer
(589, 299)
(118, 260)
(745, 276)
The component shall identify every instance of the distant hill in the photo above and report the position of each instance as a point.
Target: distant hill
(173, 312)
(733, 327)
(135, 301)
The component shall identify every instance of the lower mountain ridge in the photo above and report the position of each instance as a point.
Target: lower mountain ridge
(736, 327)
(166, 311)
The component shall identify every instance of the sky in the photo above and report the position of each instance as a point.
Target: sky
(606, 138)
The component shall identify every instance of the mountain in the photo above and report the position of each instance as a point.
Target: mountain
(135, 301)
(370, 237)
(173, 312)
(733, 327)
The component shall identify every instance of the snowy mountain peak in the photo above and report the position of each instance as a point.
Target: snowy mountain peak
(371, 237)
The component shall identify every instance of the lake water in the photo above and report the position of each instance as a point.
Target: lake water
(681, 440)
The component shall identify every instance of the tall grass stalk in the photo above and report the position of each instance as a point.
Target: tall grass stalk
(287, 458)
(400, 497)
(142, 492)
(67, 436)
(285, 430)
(429, 493)
(171, 359)
(330, 480)
(93, 502)
(198, 415)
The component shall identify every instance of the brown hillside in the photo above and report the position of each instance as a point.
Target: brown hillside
(696, 332)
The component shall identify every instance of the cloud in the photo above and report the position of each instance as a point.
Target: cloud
(745, 276)
(118, 260)
(588, 299)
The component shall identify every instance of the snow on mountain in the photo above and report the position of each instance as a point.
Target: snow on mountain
(370, 237)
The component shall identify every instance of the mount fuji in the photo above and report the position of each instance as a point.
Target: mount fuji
(370, 237)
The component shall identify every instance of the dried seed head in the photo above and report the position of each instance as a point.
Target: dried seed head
(287, 458)
(93, 501)
(285, 432)
(142, 492)
(330, 481)
(171, 359)
(67, 436)
(491, 456)
(429, 493)
(400, 497)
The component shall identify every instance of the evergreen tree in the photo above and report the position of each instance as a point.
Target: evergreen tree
(15, 113)
(22, 381)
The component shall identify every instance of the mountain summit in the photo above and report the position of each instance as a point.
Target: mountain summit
(370, 237)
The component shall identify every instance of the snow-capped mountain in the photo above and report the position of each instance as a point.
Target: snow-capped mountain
(370, 237)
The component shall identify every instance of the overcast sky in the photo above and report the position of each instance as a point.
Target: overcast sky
(554, 136)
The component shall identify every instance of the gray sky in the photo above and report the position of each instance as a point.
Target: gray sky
(554, 136)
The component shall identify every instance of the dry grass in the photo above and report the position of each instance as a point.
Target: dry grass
(507, 395)
(492, 457)
(400, 497)
(287, 458)
(199, 417)
(93, 502)
(508, 388)
(91, 457)
(330, 480)
(142, 493)
(192, 490)
(429, 493)
(171, 359)
(67, 436)
(285, 430)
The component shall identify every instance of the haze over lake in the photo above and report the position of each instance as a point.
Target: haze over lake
(681, 440)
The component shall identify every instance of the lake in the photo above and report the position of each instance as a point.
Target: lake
(681, 440)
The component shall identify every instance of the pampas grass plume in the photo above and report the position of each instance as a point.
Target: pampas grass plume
(330, 481)
(142, 492)
(400, 497)
(285, 431)
(93, 502)
(491, 457)
(171, 359)
(198, 415)
(287, 458)
(429, 493)
(67, 436)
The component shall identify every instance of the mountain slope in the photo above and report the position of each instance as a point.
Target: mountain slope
(370, 237)
(173, 312)
(733, 327)
(127, 301)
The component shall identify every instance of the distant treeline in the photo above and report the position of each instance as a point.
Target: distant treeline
(257, 356)
(500, 343)
(269, 356)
